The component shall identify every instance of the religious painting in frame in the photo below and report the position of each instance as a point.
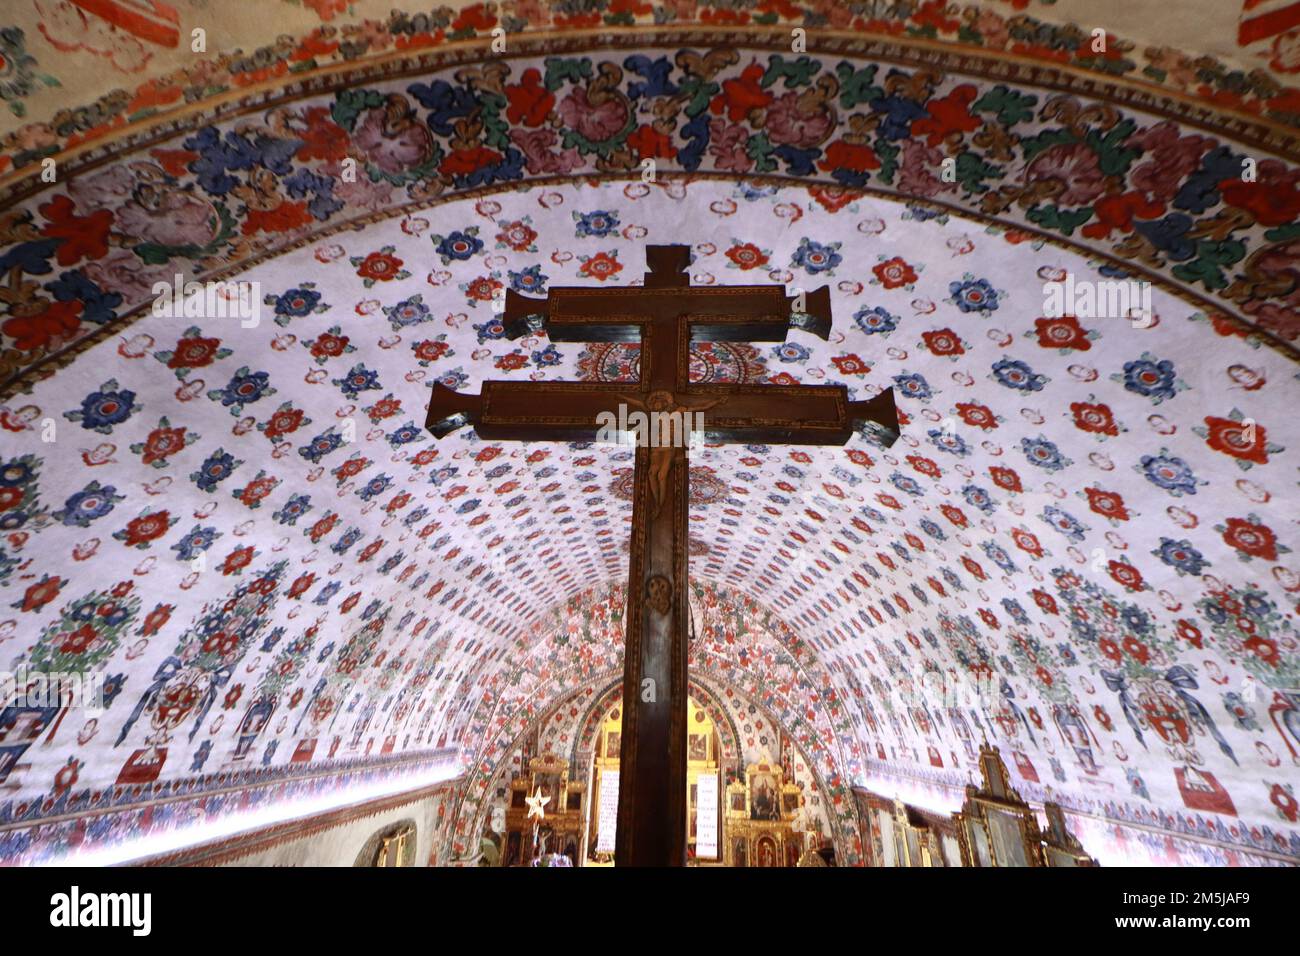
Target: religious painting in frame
(697, 748)
(764, 796)
(613, 741)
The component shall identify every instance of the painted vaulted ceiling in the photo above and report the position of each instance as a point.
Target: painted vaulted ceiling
(243, 527)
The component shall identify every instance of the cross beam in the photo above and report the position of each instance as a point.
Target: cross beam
(665, 316)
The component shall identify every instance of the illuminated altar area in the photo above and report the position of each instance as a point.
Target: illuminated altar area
(744, 806)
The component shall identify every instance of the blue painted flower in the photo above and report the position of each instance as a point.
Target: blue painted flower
(977, 497)
(320, 446)
(906, 484)
(327, 592)
(1063, 522)
(998, 555)
(1152, 379)
(404, 435)
(490, 330)
(1169, 472)
(875, 320)
(950, 442)
(913, 385)
(547, 357)
(12, 520)
(1181, 556)
(455, 380)
(597, 225)
(375, 486)
(790, 352)
(243, 389)
(359, 379)
(88, 504)
(1137, 620)
(814, 257)
(1015, 611)
(529, 280)
(346, 540)
(296, 302)
(1016, 374)
(469, 505)
(408, 312)
(216, 469)
(101, 410)
(16, 472)
(293, 509)
(1043, 453)
(459, 245)
(933, 530)
(974, 295)
(196, 542)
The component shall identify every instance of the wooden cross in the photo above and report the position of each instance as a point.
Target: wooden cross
(665, 315)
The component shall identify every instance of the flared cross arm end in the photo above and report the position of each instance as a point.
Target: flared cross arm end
(876, 418)
(815, 314)
(523, 316)
(449, 411)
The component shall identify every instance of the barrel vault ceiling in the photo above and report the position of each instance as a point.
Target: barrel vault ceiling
(245, 530)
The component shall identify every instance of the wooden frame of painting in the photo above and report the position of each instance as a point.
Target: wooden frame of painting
(996, 828)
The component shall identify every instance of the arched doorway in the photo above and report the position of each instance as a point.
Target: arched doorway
(704, 809)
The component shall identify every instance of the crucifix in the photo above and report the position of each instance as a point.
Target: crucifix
(665, 315)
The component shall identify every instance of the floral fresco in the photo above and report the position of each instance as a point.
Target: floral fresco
(1161, 199)
(245, 530)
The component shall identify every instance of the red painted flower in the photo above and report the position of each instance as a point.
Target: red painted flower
(517, 235)
(82, 236)
(925, 466)
(1126, 575)
(1094, 419)
(1107, 504)
(601, 266)
(943, 342)
(989, 618)
(40, 594)
(1045, 601)
(850, 365)
(1109, 648)
(351, 468)
(894, 273)
(1272, 199)
(1264, 649)
(379, 266)
(462, 162)
(1006, 478)
(1137, 650)
(329, 345)
(977, 416)
(78, 641)
(482, 289)
(747, 256)
(783, 378)
(1063, 332)
(1027, 541)
(237, 560)
(853, 156)
(430, 351)
(1251, 538)
(55, 323)
(161, 443)
(651, 143)
(283, 422)
(386, 407)
(530, 101)
(954, 515)
(1189, 632)
(146, 528)
(741, 96)
(512, 362)
(974, 567)
(1245, 442)
(257, 489)
(302, 584)
(194, 352)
